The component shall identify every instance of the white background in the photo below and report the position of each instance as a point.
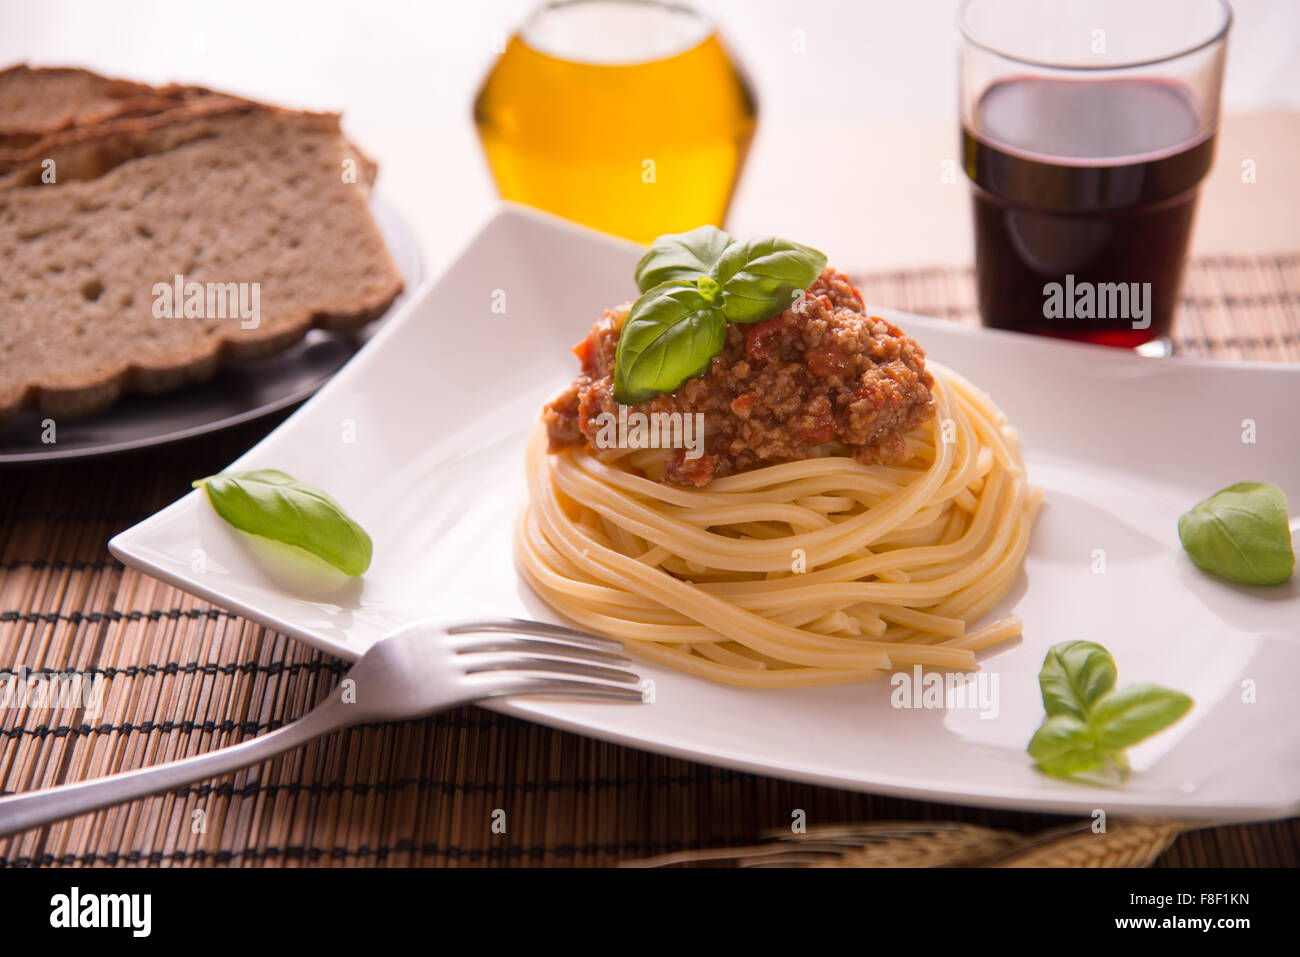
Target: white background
(851, 135)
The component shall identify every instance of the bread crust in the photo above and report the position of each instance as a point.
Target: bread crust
(94, 98)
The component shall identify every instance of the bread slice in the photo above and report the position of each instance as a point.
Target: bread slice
(239, 195)
(35, 102)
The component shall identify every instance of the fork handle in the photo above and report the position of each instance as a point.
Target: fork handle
(18, 812)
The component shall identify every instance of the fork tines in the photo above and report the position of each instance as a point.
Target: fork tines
(518, 626)
(546, 658)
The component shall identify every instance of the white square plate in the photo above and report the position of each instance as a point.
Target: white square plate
(421, 438)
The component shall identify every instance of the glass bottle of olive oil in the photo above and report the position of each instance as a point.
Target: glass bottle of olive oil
(626, 115)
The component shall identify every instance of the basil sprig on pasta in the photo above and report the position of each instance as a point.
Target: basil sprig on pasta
(1089, 722)
(277, 506)
(692, 284)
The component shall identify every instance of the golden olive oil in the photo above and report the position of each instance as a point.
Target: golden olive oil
(635, 149)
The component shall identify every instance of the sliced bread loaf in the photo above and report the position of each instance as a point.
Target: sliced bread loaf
(254, 203)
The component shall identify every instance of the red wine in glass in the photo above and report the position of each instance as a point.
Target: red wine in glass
(1084, 196)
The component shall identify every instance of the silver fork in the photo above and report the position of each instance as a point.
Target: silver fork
(415, 670)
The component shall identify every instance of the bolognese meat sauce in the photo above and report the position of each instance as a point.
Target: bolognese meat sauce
(822, 371)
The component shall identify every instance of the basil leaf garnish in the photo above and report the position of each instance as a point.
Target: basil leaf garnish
(1124, 717)
(275, 505)
(670, 335)
(1064, 745)
(1074, 675)
(762, 277)
(1241, 533)
(692, 284)
(1089, 723)
(681, 256)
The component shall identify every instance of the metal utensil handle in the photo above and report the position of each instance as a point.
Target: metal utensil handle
(34, 808)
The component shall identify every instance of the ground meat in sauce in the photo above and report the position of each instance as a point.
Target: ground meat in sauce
(822, 371)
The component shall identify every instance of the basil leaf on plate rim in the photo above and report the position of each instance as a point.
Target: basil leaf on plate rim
(1124, 717)
(1074, 675)
(1089, 723)
(1064, 745)
(275, 505)
(1241, 532)
(699, 281)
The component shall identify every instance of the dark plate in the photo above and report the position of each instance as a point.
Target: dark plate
(234, 395)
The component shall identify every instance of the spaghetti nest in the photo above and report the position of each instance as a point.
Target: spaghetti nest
(821, 571)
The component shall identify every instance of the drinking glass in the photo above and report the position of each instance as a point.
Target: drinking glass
(1087, 128)
(626, 115)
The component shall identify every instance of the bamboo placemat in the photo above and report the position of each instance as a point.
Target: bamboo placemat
(181, 676)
